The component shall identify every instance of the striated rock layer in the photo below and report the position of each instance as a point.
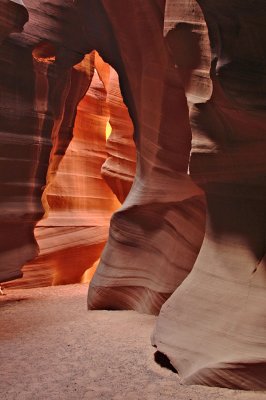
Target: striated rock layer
(19, 207)
(78, 202)
(213, 328)
(32, 99)
(13, 16)
(156, 235)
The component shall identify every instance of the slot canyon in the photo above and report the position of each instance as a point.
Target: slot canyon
(133, 184)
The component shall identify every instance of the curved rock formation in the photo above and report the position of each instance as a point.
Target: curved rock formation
(79, 204)
(33, 104)
(19, 209)
(33, 97)
(156, 235)
(56, 90)
(13, 16)
(213, 327)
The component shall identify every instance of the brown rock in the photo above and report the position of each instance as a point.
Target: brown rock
(213, 328)
(156, 235)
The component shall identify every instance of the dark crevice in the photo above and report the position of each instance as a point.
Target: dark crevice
(163, 361)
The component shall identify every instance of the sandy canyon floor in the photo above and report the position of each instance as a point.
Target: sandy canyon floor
(51, 347)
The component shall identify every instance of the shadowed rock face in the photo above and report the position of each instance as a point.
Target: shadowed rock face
(78, 203)
(33, 95)
(212, 328)
(13, 16)
(18, 212)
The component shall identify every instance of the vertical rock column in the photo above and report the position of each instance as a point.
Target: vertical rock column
(33, 95)
(19, 203)
(213, 327)
(156, 235)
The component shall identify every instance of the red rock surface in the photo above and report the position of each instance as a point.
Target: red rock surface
(19, 207)
(13, 16)
(156, 234)
(73, 226)
(78, 202)
(213, 327)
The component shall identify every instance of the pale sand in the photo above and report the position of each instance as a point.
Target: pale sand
(51, 347)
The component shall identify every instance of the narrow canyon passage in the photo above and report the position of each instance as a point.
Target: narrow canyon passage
(185, 201)
(86, 184)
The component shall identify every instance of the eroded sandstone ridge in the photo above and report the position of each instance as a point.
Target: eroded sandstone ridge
(34, 92)
(19, 211)
(212, 328)
(156, 235)
(78, 203)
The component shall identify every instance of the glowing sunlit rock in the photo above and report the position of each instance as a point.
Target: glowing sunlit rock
(108, 130)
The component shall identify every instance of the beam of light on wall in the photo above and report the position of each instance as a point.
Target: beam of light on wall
(108, 130)
(88, 274)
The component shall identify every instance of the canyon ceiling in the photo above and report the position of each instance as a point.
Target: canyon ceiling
(186, 80)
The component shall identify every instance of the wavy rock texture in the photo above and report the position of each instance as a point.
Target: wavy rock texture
(40, 271)
(19, 204)
(213, 327)
(73, 227)
(33, 100)
(159, 167)
(156, 235)
(78, 201)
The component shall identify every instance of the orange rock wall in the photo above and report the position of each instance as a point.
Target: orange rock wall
(78, 203)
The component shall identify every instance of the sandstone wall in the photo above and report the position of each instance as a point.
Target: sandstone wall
(156, 234)
(213, 327)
